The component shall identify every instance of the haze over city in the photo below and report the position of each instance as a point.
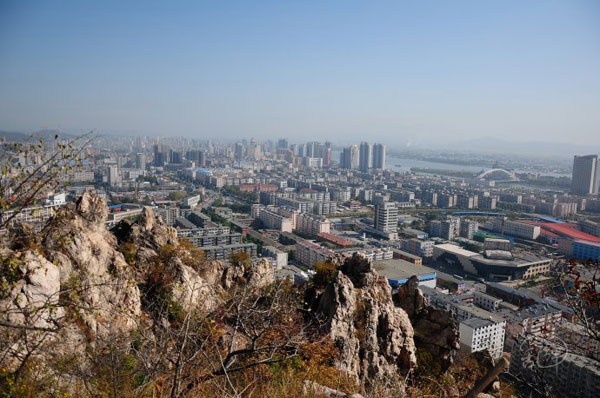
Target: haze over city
(403, 73)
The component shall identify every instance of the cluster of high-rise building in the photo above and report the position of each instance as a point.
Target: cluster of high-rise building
(365, 157)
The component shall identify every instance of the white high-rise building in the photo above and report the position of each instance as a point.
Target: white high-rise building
(366, 156)
(140, 161)
(113, 175)
(349, 157)
(386, 217)
(586, 175)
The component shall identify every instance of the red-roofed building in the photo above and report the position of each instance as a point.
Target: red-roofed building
(565, 230)
(335, 239)
(568, 231)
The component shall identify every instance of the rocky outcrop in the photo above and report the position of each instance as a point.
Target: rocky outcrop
(197, 284)
(435, 330)
(73, 288)
(374, 337)
(29, 294)
(89, 264)
(254, 275)
(147, 234)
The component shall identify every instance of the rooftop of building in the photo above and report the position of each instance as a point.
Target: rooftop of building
(587, 242)
(533, 311)
(527, 295)
(486, 296)
(477, 323)
(400, 271)
(406, 254)
(568, 230)
(335, 239)
(456, 250)
(517, 259)
(479, 312)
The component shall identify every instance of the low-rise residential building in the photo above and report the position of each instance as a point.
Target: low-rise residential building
(548, 363)
(309, 253)
(214, 240)
(513, 228)
(222, 252)
(487, 302)
(418, 247)
(271, 219)
(280, 256)
(115, 217)
(191, 201)
(214, 230)
(312, 224)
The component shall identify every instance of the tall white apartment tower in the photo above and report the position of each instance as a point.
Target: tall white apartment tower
(586, 175)
(386, 217)
(366, 156)
(140, 161)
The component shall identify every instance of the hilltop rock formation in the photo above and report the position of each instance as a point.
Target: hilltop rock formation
(148, 237)
(77, 285)
(85, 252)
(435, 329)
(72, 288)
(374, 337)
(80, 285)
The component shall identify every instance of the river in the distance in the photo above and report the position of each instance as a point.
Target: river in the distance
(403, 164)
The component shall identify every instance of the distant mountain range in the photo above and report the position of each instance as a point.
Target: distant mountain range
(529, 147)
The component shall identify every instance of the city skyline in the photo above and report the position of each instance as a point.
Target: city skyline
(401, 73)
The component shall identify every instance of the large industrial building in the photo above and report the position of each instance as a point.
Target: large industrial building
(492, 264)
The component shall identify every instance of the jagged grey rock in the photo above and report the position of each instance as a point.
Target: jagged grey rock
(77, 240)
(374, 337)
(435, 330)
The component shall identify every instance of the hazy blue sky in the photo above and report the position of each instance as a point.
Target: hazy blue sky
(343, 70)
